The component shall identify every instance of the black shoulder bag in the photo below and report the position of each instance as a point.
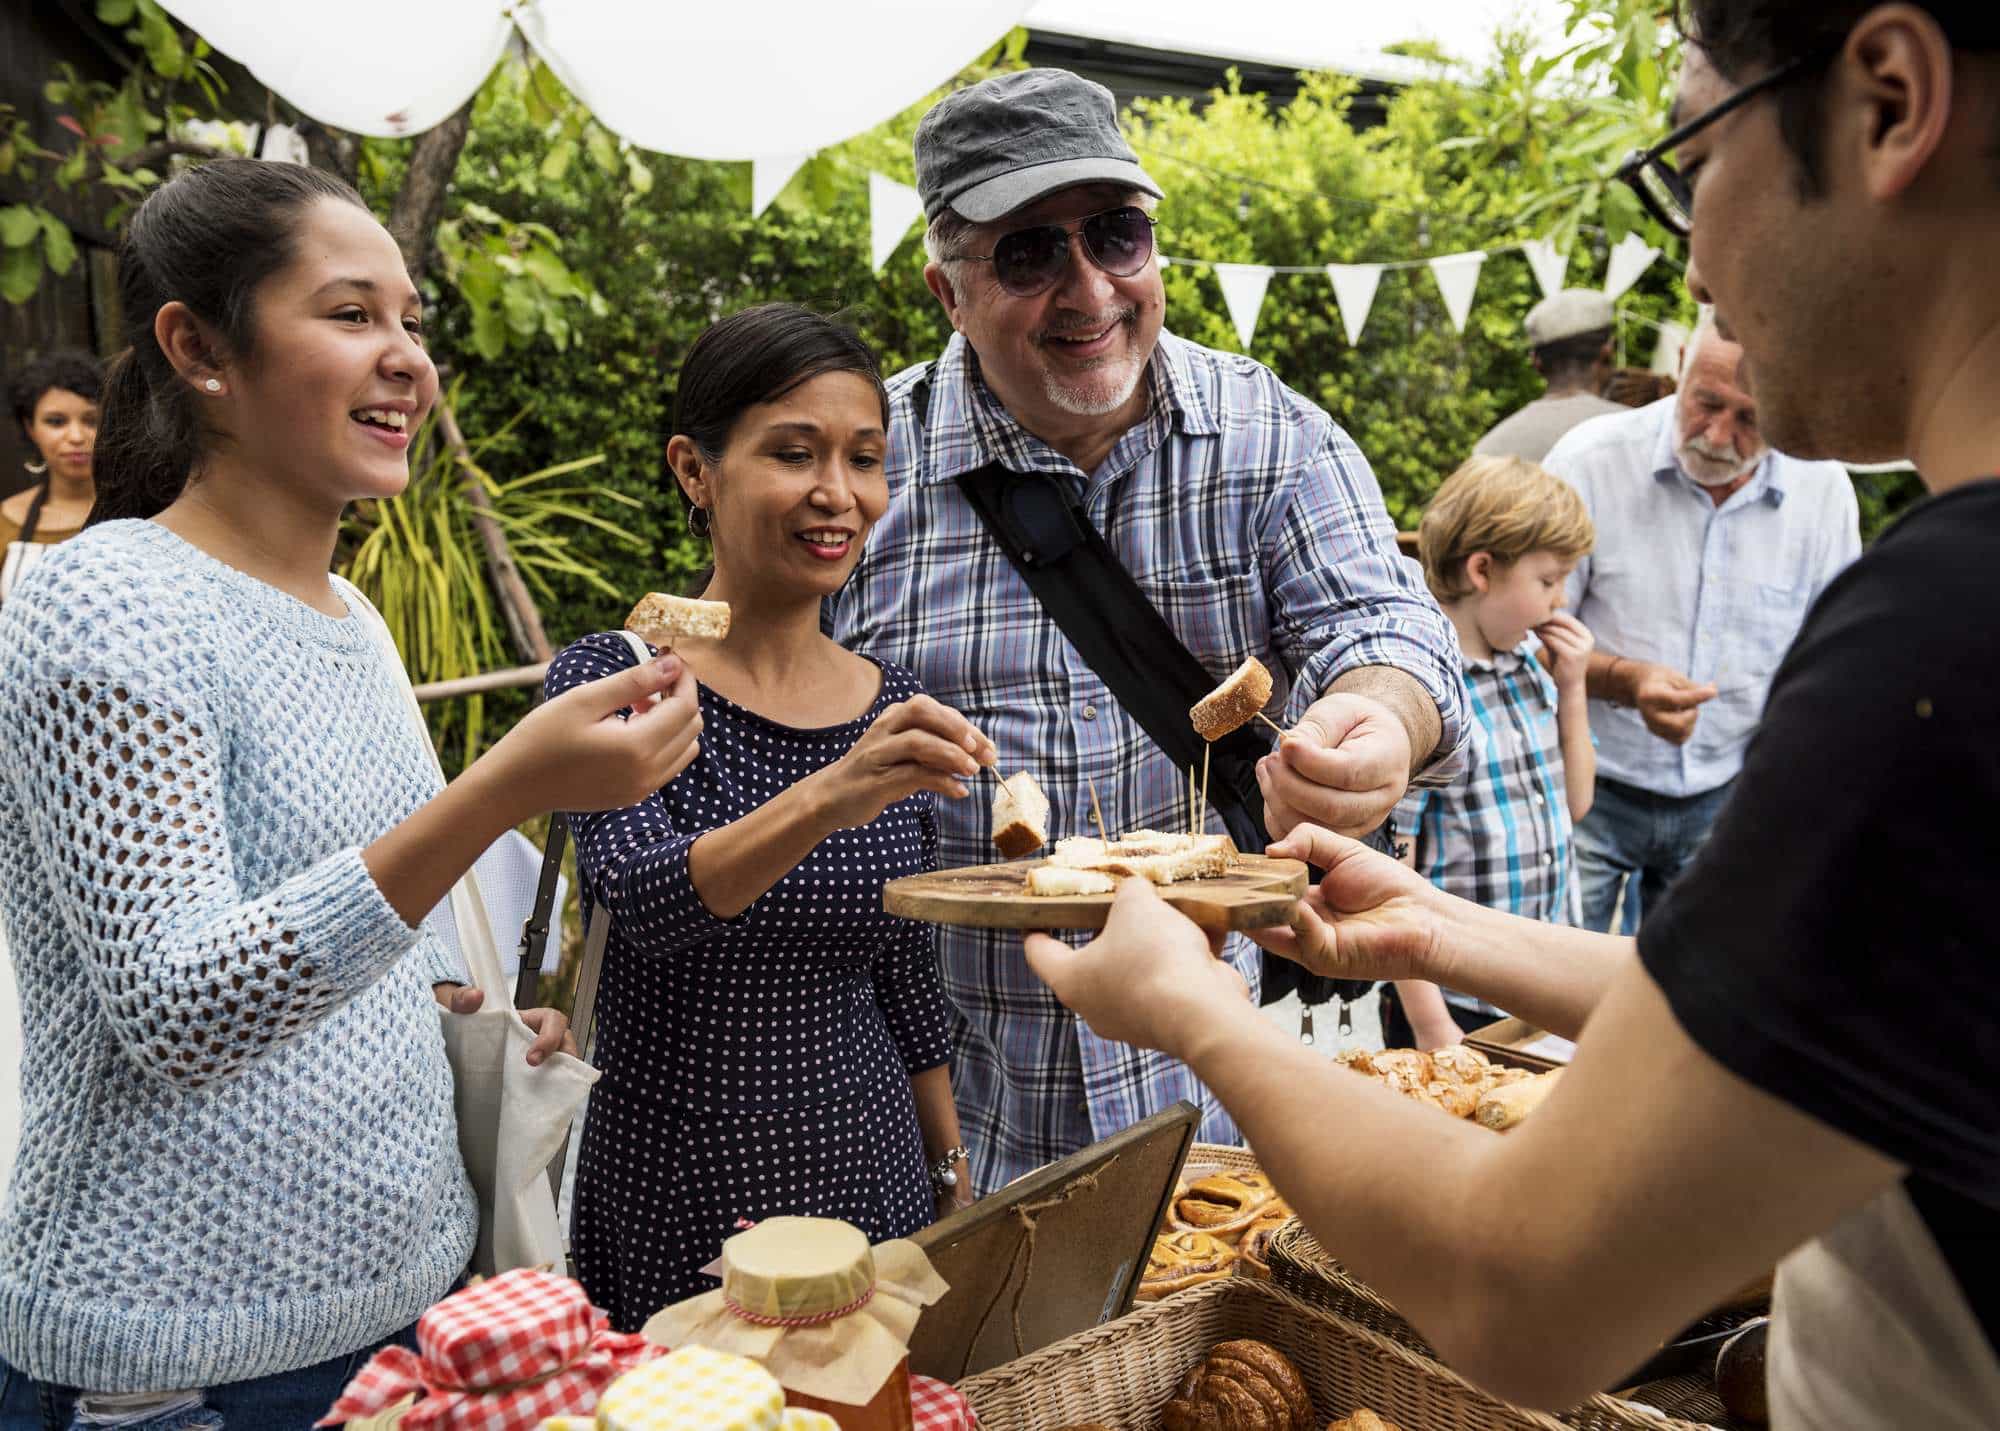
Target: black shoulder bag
(1120, 634)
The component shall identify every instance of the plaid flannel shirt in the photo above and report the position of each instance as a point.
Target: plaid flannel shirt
(1500, 834)
(1256, 527)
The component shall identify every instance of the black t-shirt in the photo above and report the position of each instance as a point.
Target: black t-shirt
(1835, 940)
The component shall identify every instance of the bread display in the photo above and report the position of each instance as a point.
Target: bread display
(1053, 880)
(1236, 700)
(1222, 1203)
(1184, 1259)
(1363, 1420)
(1241, 1385)
(660, 620)
(1020, 816)
(1504, 1107)
(1460, 1081)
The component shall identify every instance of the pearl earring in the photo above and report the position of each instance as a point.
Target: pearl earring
(214, 385)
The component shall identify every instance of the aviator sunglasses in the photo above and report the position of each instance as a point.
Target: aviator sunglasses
(1029, 261)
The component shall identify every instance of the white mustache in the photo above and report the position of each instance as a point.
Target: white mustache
(1064, 330)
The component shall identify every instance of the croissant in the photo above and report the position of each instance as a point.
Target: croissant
(1240, 1386)
(1180, 1260)
(1411, 1061)
(1223, 1204)
(1459, 1064)
(1363, 1420)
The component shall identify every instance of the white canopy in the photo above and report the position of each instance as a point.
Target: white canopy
(709, 81)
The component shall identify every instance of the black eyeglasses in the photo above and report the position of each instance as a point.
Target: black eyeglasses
(1029, 261)
(1662, 188)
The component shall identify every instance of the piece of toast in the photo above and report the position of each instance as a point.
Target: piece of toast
(1020, 816)
(1050, 881)
(660, 620)
(1235, 701)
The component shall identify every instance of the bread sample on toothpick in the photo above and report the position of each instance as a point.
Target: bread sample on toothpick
(1238, 699)
(1020, 816)
(660, 620)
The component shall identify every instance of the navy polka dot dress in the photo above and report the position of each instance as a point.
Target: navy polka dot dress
(758, 1065)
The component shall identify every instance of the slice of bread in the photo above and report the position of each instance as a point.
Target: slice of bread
(1020, 816)
(1148, 854)
(1049, 880)
(1233, 702)
(660, 620)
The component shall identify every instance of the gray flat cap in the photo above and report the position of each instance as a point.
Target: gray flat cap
(985, 150)
(1568, 314)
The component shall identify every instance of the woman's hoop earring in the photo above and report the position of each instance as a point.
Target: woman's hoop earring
(38, 468)
(698, 521)
(214, 385)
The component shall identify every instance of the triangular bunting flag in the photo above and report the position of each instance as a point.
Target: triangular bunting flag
(1549, 266)
(1354, 287)
(1629, 260)
(892, 208)
(1457, 275)
(769, 176)
(1243, 286)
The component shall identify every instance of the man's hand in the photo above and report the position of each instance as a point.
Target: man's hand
(1148, 979)
(1668, 701)
(1344, 766)
(1372, 917)
(551, 1026)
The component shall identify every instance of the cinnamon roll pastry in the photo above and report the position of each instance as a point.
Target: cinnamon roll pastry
(1180, 1260)
(1223, 1204)
(1255, 1246)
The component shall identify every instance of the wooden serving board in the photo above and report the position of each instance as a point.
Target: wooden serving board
(1257, 892)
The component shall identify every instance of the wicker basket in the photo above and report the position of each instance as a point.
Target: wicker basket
(1120, 1374)
(1309, 1272)
(1221, 1158)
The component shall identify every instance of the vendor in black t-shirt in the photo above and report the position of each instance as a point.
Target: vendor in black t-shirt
(1796, 1060)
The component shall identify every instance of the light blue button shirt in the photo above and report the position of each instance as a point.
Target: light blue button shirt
(1715, 592)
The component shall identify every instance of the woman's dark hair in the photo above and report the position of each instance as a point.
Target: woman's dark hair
(65, 369)
(1747, 38)
(208, 238)
(758, 356)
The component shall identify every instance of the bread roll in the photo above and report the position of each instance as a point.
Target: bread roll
(660, 620)
(1235, 701)
(1363, 1420)
(1507, 1105)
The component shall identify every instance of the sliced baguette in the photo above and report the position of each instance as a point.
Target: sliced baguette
(660, 620)
(1020, 816)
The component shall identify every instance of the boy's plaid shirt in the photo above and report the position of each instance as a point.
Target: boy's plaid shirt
(1256, 527)
(1500, 834)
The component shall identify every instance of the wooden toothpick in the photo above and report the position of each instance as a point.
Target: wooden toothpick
(1190, 805)
(1096, 811)
(1282, 732)
(1203, 812)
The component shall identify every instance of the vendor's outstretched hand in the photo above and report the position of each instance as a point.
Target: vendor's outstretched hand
(1370, 918)
(1147, 979)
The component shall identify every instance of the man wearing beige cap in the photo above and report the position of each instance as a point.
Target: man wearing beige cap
(1065, 449)
(1569, 338)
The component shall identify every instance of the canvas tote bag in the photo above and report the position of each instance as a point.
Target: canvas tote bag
(513, 1120)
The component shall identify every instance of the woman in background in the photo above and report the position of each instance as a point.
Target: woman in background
(55, 401)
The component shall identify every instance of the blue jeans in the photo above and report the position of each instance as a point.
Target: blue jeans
(284, 1401)
(1637, 841)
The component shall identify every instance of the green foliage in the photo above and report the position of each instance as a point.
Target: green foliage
(419, 560)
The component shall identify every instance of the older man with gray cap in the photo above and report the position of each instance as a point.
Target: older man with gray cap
(1061, 436)
(1569, 339)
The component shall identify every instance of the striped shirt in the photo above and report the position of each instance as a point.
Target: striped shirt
(1500, 834)
(1256, 527)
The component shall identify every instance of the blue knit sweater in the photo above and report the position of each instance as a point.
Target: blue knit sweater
(238, 1154)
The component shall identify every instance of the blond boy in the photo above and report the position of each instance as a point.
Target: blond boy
(1498, 541)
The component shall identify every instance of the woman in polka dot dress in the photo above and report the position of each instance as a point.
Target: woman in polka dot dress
(771, 1041)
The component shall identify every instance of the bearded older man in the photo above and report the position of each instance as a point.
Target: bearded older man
(1710, 547)
(1247, 518)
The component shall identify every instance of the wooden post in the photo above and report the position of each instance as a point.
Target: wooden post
(524, 622)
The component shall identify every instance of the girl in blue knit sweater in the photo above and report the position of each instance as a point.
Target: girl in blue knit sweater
(239, 1171)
